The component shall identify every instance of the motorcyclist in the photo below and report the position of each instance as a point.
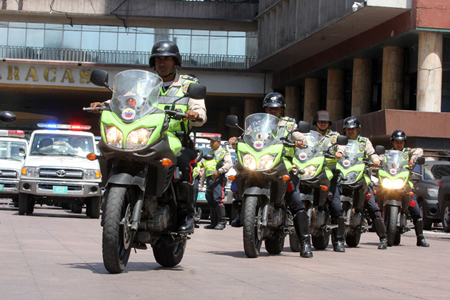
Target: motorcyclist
(216, 164)
(322, 120)
(352, 127)
(398, 140)
(165, 58)
(275, 104)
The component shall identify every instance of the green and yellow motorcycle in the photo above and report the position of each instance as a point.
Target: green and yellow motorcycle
(262, 174)
(143, 188)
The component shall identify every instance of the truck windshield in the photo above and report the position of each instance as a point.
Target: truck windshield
(61, 145)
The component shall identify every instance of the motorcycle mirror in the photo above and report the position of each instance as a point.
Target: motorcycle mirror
(196, 91)
(342, 140)
(304, 127)
(379, 149)
(231, 121)
(100, 78)
(420, 161)
(199, 155)
(208, 156)
(7, 117)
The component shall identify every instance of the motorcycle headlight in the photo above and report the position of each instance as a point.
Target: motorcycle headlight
(310, 171)
(248, 161)
(114, 137)
(387, 183)
(92, 174)
(398, 183)
(30, 171)
(352, 176)
(138, 138)
(265, 162)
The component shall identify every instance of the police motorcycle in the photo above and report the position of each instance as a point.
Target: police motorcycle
(143, 187)
(262, 174)
(394, 192)
(355, 179)
(310, 164)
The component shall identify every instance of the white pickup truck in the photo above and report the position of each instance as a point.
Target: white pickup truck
(12, 153)
(57, 172)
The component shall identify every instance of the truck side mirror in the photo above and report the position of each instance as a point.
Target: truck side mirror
(304, 127)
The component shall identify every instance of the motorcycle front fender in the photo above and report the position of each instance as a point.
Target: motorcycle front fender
(257, 191)
(392, 203)
(127, 179)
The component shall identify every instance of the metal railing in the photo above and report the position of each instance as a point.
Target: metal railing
(122, 57)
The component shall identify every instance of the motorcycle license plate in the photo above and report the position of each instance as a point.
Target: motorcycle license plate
(59, 189)
(201, 196)
(2, 186)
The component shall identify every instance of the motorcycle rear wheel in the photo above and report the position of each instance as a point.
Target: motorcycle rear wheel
(320, 242)
(391, 224)
(169, 256)
(252, 232)
(117, 235)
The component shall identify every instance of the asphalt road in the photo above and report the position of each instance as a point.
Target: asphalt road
(55, 254)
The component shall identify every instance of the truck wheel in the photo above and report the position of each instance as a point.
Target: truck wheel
(117, 235)
(446, 216)
(169, 256)
(26, 205)
(94, 207)
(391, 224)
(252, 226)
(77, 208)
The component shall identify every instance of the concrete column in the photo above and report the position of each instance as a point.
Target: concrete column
(251, 107)
(429, 73)
(312, 99)
(292, 102)
(362, 86)
(335, 94)
(236, 110)
(393, 78)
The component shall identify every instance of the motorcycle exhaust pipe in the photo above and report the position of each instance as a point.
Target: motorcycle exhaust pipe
(136, 214)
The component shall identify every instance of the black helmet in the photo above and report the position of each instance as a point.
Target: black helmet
(351, 122)
(274, 100)
(398, 135)
(165, 48)
(322, 115)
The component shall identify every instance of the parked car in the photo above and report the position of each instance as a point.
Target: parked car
(426, 189)
(444, 202)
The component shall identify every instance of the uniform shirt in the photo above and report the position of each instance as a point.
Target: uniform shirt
(370, 151)
(296, 135)
(196, 105)
(228, 163)
(414, 153)
(329, 133)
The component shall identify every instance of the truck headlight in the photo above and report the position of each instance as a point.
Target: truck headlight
(30, 171)
(114, 137)
(92, 174)
(248, 161)
(432, 192)
(265, 162)
(138, 138)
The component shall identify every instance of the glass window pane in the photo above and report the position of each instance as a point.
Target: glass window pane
(200, 32)
(91, 28)
(236, 33)
(53, 39)
(35, 25)
(108, 41)
(218, 45)
(35, 38)
(145, 30)
(72, 39)
(108, 29)
(16, 37)
(17, 25)
(53, 26)
(218, 33)
(200, 45)
(3, 36)
(236, 46)
(145, 42)
(184, 43)
(182, 32)
(89, 40)
(72, 28)
(127, 42)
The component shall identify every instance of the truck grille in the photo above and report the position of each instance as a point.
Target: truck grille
(61, 173)
(8, 174)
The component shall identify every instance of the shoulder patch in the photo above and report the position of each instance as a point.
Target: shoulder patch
(288, 119)
(191, 78)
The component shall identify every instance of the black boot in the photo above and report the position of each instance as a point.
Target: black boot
(187, 208)
(418, 226)
(381, 232)
(220, 217)
(213, 215)
(301, 224)
(338, 233)
(237, 222)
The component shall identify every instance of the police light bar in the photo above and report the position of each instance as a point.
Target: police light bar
(12, 133)
(206, 134)
(63, 126)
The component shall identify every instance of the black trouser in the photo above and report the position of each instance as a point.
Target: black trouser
(293, 198)
(215, 191)
(186, 162)
(414, 209)
(372, 207)
(335, 205)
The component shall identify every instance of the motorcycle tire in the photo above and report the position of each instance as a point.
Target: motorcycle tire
(169, 256)
(320, 242)
(353, 239)
(274, 245)
(117, 235)
(252, 226)
(398, 238)
(294, 242)
(391, 224)
(445, 216)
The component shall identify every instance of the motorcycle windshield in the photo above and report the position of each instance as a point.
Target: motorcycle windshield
(393, 161)
(351, 154)
(312, 148)
(261, 131)
(135, 94)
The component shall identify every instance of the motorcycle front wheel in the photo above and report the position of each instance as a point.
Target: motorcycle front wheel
(252, 226)
(391, 224)
(320, 242)
(353, 239)
(117, 233)
(169, 256)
